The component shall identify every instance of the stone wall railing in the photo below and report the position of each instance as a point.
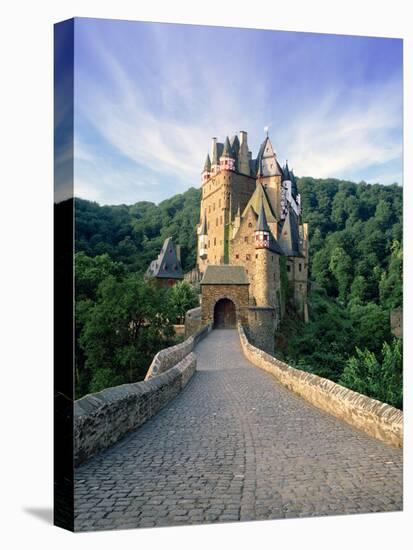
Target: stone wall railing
(368, 415)
(168, 357)
(102, 418)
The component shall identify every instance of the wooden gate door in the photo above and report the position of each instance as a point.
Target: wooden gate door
(224, 314)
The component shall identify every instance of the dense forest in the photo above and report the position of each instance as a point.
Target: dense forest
(355, 273)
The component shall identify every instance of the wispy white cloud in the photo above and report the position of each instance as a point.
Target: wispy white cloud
(337, 139)
(157, 128)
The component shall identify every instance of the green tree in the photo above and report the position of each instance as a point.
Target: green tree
(127, 325)
(181, 298)
(340, 266)
(391, 283)
(380, 379)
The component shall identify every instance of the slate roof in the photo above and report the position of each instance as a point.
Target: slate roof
(235, 145)
(207, 165)
(290, 235)
(225, 275)
(167, 265)
(262, 224)
(217, 152)
(227, 152)
(255, 201)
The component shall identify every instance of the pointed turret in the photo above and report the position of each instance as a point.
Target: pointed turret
(207, 165)
(227, 157)
(227, 152)
(262, 224)
(286, 172)
(262, 230)
(206, 172)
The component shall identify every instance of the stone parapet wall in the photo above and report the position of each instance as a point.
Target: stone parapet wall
(193, 321)
(168, 357)
(368, 415)
(102, 418)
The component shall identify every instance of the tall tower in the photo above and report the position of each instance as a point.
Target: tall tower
(262, 259)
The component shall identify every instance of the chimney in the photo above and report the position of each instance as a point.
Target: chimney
(243, 158)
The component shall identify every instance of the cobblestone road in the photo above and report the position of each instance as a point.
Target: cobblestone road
(235, 445)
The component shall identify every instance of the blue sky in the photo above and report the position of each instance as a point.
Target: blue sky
(149, 97)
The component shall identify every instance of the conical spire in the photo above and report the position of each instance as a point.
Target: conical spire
(262, 224)
(207, 165)
(227, 152)
(286, 171)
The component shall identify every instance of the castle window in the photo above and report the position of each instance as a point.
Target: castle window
(265, 237)
(246, 239)
(288, 268)
(256, 256)
(215, 241)
(219, 203)
(250, 224)
(237, 256)
(248, 257)
(216, 221)
(300, 267)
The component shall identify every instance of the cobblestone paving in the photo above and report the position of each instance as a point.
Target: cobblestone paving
(235, 445)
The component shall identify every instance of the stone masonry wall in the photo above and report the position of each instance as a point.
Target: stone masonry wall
(369, 415)
(212, 293)
(168, 357)
(193, 321)
(102, 418)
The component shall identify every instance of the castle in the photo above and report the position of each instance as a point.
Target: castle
(252, 251)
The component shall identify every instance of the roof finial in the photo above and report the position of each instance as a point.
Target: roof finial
(266, 128)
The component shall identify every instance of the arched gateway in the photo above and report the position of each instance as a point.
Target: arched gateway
(224, 314)
(224, 291)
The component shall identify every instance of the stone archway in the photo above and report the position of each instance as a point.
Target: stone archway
(225, 314)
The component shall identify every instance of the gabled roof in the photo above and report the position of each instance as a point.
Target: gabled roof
(225, 275)
(255, 202)
(290, 235)
(167, 265)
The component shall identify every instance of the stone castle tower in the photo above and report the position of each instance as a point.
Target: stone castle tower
(252, 245)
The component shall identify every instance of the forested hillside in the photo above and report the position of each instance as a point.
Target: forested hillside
(134, 234)
(355, 273)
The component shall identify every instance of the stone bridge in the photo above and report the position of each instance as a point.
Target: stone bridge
(235, 445)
